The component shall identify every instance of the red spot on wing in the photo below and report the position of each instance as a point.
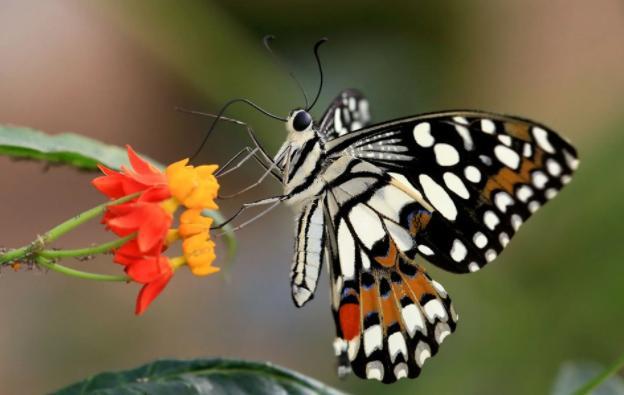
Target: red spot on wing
(349, 315)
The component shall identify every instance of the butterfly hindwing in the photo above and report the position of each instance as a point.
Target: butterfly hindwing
(477, 177)
(390, 316)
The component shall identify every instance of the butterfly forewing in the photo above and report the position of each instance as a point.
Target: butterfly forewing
(347, 113)
(476, 176)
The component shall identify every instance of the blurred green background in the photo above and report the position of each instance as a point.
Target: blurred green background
(115, 70)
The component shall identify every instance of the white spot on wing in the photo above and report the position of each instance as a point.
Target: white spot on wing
(413, 320)
(353, 348)
(422, 134)
(473, 267)
(488, 126)
(524, 193)
(472, 174)
(490, 255)
(346, 251)
(337, 121)
(541, 137)
(396, 345)
(534, 206)
(365, 260)
(439, 288)
(400, 371)
(422, 353)
(442, 330)
(553, 167)
(373, 339)
(366, 224)
(458, 251)
(479, 240)
(446, 154)
(505, 139)
(374, 370)
(504, 239)
(539, 179)
(507, 156)
(550, 193)
(456, 185)
(502, 200)
(438, 197)
(571, 160)
(425, 250)
(516, 221)
(490, 219)
(463, 132)
(434, 309)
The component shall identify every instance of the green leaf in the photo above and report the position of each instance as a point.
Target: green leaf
(66, 148)
(200, 376)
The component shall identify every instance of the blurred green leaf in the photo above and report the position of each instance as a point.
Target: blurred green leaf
(66, 148)
(200, 376)
(581, 378)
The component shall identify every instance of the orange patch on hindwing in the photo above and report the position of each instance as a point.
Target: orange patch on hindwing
(389, 260)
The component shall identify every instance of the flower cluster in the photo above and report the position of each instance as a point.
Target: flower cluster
(150, 216)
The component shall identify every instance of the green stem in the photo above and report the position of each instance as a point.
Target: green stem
(596, 381)
(61, 229)
(83, 217)
(98, 249)
(14, 255)
(78, 273)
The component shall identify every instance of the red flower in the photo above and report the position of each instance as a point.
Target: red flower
(150, 216)
(141, 177)
(154, 273)
(148, 220)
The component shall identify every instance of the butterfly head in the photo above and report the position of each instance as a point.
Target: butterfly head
(299, 121)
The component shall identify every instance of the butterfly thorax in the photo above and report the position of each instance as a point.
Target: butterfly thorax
(301, 160)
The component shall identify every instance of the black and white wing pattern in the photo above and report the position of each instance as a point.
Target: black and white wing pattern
(478, 177)
(452, 187)
(390, 315)
(347, 113)
(309, 252)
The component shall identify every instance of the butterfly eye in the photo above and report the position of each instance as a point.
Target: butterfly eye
(301, 121)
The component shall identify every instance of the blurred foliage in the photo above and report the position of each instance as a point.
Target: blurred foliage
(554, 295)
(201, 377)
(578, 378)
(66, 148)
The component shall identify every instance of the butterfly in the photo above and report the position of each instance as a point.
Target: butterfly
(373, 202)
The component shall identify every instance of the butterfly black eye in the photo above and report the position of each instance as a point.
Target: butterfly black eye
(302, 121)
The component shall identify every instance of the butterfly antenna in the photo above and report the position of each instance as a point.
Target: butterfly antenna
(207, 114)
(267, 44)
(220, 116)
(320, 67)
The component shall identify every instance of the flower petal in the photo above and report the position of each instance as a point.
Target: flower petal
(149, 292)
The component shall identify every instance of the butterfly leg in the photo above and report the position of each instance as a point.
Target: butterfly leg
(272, 201)
(228, 167)
(269, 171)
